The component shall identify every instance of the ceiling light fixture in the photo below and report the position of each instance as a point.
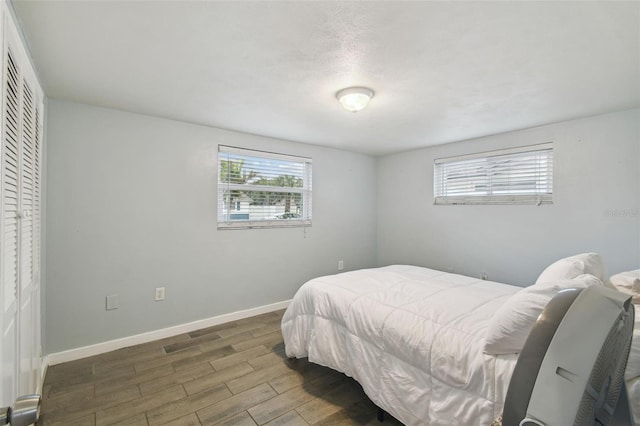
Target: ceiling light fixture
(354, 99)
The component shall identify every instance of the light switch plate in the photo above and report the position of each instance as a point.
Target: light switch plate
(112, 302)
(159, 293)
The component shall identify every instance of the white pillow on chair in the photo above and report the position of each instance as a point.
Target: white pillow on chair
(629, 283)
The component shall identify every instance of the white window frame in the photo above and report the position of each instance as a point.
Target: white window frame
(224, 215)
(496, 177)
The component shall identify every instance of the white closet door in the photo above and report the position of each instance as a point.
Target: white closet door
(36, 343)
(10, 200)
(25, 258)
(22, 108)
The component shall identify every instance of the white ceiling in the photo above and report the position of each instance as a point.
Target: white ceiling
(442, 71)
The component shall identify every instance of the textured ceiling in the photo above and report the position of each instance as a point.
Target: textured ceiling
(442, 71)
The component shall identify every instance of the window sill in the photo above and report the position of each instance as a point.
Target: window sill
(264, 224)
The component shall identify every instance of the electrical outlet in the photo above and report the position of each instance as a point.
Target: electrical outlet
(159, 293)
(340, 265)
(112, 302)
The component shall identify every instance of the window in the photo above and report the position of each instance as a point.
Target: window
(510, 176)
(258, 189)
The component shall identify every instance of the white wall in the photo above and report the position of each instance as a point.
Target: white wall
(596, 173)
(131, 205)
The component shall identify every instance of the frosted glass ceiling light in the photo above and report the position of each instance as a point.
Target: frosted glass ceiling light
(354, 99)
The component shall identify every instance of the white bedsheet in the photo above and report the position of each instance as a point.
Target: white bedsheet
(411, 336)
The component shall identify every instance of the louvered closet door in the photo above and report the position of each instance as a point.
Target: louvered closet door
(25, 257)
(20, 220)
(36, 345)
(10, 230)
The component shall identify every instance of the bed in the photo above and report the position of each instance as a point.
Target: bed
(428, 347)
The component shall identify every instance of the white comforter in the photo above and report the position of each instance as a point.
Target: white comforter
(411, 336)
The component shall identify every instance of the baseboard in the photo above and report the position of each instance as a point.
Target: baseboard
(112, 345)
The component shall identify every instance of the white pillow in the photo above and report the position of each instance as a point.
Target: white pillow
(510, 325)
(629, 283)
(572, 266)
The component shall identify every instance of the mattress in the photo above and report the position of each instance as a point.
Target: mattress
(411, 336)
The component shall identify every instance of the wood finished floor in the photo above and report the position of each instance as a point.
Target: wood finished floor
(230, 374)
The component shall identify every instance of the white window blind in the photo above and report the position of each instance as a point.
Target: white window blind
(511, 176)
(258, 189)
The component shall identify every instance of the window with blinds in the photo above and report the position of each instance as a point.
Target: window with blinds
(511, 176)
(258, 189)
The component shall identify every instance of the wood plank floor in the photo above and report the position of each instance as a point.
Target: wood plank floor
(230, 374)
